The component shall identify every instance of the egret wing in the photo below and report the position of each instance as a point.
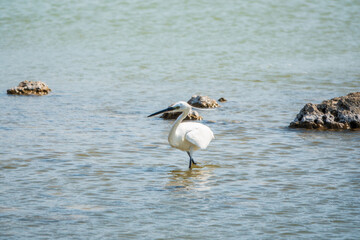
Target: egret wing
(200, 136)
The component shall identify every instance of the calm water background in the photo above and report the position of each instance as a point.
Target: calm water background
(85, 163)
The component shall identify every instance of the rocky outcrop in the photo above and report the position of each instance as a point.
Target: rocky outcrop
(203, 102)
(30, 88)
(193, 115)
(195, 101)
(337, 113)
(222, 100)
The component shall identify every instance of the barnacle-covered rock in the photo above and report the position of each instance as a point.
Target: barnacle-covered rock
(337, 113)
(203, 102)
(193, 115)
(30, 88)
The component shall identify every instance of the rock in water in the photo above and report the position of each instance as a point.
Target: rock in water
(222, 99)
(30, 88)
(337, 113)
(193, 115)
(196, 101)
(203, 102)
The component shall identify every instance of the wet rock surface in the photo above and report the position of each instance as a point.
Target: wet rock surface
(30, 88)
(193, 115)
(203, 102)
(195, 101)
(222, 100)
(337, 113)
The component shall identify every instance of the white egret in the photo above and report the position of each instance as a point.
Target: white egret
(187, 136)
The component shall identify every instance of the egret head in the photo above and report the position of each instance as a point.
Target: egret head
(180, 106)
(177, 107)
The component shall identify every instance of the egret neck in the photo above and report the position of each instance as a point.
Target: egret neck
(176, 124)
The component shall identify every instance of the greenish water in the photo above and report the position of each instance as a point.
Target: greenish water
(85, 163)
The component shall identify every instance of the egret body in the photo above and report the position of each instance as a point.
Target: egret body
(187, 136)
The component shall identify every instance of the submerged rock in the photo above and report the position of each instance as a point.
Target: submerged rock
(193, 115)
(337, 113)
(30, 88)
(195, 101)
(203, 102)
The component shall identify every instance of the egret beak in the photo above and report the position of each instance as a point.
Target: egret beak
(162, 111)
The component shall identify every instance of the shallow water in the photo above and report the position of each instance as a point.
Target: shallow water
(85, 163)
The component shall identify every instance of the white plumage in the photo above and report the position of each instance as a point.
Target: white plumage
(187, 136)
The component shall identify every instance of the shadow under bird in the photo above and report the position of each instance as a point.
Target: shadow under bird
(187, 136)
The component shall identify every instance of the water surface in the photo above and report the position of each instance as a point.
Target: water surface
(85, 163)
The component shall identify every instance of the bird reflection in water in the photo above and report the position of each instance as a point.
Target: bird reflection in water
(196, 178)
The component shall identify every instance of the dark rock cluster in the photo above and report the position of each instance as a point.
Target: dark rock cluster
(30, 88)
(195, 101)
(337, 113)
(193, 115)
(203, 102)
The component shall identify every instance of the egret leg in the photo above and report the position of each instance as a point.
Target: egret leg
(191, 160)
